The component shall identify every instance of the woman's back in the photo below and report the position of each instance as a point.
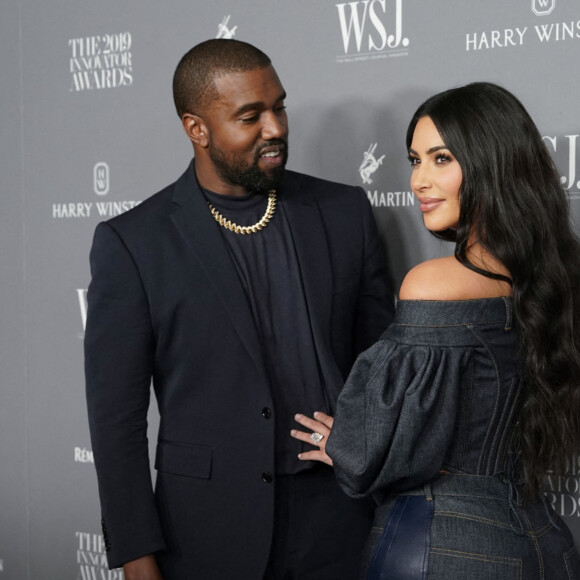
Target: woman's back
(438, 449)
(441, 386)
(426, 424)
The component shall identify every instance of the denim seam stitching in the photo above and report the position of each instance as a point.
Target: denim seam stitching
(467, 324)
(508, 314)
(565, 556)
(543, 531)
(484, 477)
(508, 418)
(478, 519)
(480, 557)
(488, 349)
(477, 556)
(463, 424)
(471, 495)
(536, 546)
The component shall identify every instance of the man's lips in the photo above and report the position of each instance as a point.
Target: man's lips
(430, 203)
(272, 155)
(271, 150)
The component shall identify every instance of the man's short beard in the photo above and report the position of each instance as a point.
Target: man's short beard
(250, 177)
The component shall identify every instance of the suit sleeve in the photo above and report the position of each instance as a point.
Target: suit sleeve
(119, 351)
(375, 308)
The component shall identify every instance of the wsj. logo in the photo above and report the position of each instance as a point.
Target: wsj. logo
(369, 164)
(543, 7)
(82, 298)
(364, 29)
(223, 30)
(568, 180)
(101, 179)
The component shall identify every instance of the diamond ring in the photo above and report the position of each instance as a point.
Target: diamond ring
(317, 437)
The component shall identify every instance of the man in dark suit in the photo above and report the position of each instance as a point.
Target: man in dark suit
(245, 292)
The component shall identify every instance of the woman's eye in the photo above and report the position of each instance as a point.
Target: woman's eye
(414, 161)
(442, 159)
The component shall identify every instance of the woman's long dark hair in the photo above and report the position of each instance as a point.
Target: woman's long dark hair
(513, 204)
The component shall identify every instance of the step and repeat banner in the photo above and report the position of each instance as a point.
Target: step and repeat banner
(89, 131)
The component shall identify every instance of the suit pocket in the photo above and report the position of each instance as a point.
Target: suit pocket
(184, 459)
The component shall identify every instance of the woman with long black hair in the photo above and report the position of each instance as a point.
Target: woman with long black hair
(454, 417)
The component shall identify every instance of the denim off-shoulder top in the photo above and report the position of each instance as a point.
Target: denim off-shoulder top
(439, 390)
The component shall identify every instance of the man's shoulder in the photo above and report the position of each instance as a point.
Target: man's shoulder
(148, 211)
(324, 190)
(151, 210)
(295, 178)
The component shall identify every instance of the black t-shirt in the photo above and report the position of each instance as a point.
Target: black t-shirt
(269, 271)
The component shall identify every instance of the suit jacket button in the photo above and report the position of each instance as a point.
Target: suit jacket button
(266, 413)
(267, 477)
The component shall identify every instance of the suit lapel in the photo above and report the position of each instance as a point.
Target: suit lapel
(194, 222)
(309, 237)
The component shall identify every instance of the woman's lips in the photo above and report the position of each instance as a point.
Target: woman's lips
(429, 204)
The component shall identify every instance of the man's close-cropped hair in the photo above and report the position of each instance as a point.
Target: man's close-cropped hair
(193, 80)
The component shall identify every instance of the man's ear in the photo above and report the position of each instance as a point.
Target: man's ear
(196, 129)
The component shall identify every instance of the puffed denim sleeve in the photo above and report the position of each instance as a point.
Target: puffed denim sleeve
(394, 418)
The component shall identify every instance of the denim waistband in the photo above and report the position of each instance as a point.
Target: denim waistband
(464, 484)
(483, 487)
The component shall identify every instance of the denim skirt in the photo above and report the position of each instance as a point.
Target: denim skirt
(468, 527)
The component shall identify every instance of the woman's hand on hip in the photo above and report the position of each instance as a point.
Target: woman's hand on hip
(320, 427)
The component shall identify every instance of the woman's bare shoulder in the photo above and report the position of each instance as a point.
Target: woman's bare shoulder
(446, 279)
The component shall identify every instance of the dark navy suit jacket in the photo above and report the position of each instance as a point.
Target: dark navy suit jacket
(165, 303)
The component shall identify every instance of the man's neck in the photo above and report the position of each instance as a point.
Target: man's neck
(212, 182)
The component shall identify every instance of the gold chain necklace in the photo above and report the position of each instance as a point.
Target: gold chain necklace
(222, 221)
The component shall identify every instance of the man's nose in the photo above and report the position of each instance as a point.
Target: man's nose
(274, 127)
